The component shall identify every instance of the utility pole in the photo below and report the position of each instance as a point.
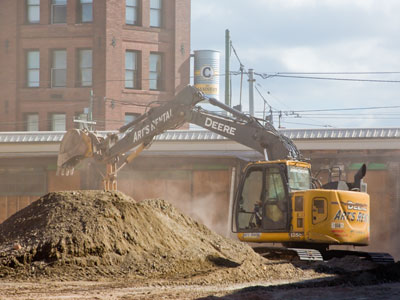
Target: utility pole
(90, 116)
(88, 123)
(251, 91)
(227, 67)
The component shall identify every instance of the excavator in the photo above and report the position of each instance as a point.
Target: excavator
(277, 199)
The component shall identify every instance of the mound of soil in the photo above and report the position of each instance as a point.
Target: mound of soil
(88, 235)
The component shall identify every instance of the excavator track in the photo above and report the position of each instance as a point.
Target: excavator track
(377, 257)
(291, 254)
(305, 254)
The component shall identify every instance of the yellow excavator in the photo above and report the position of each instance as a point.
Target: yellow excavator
(277, 200)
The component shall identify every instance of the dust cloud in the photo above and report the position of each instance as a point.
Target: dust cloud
(210, 208)
(205, 201)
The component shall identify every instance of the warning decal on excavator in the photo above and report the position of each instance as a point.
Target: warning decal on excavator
(337, 225)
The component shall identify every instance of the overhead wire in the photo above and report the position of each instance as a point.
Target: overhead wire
(273, 96)
(298, 123)
(349, 108)
(338, 73)
(295, 75)
(266, 76)
(241, 72)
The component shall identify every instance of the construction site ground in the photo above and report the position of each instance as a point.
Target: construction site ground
(104, 245)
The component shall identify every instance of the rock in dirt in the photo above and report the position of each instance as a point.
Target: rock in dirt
(87, 235)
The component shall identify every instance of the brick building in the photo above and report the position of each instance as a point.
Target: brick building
(54, 53)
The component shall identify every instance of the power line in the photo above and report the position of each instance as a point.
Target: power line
(347, 118)
(262, 75)
(273, 96)
(266, 76)
(265, 100)
(345, 109)
(350, 115)
(237, 56)
(307, 124)
(336, 73)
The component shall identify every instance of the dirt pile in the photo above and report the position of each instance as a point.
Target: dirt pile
(87, 235)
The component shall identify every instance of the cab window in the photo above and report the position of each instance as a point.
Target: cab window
(299, 178)
(275, 206)
(250, 199)
(263, 200)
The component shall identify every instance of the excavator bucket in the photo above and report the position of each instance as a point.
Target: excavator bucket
(75, 146)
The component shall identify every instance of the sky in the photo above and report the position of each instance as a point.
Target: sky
(352, 42)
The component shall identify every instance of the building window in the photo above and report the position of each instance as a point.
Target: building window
(131, 70)
(132, 12)
(86, 11)
(33, 11)
(59, 11)
(85, 67)
(59, 69)
(33, 68)
(129, 117)
(155, 68)
(58, 122)
(32, 122)
(155, 13)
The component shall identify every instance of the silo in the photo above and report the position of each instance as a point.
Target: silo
(206, 72)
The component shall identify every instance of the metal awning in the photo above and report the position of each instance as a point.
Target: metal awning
(205, 135)
(46, 143)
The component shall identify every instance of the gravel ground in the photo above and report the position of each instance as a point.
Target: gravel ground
(130, 291)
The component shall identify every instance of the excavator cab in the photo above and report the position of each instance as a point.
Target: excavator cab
(264, 195)
(276, 203)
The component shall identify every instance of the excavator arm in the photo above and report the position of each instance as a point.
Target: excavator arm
(247, 131)
(235, 125)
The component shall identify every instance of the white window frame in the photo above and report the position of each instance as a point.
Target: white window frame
(32, 6)
(129, 117)
(85, 69)
(58, 122)
(156, 74)
(56, 69)
(156, 13)
(132, 73)
(32, 69)
(133, 6)
(86, 3)
(32, 122)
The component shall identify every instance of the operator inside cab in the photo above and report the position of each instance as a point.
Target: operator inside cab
(275, 200)
(263, 202)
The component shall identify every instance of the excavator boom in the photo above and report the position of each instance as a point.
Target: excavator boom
(80, 144)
